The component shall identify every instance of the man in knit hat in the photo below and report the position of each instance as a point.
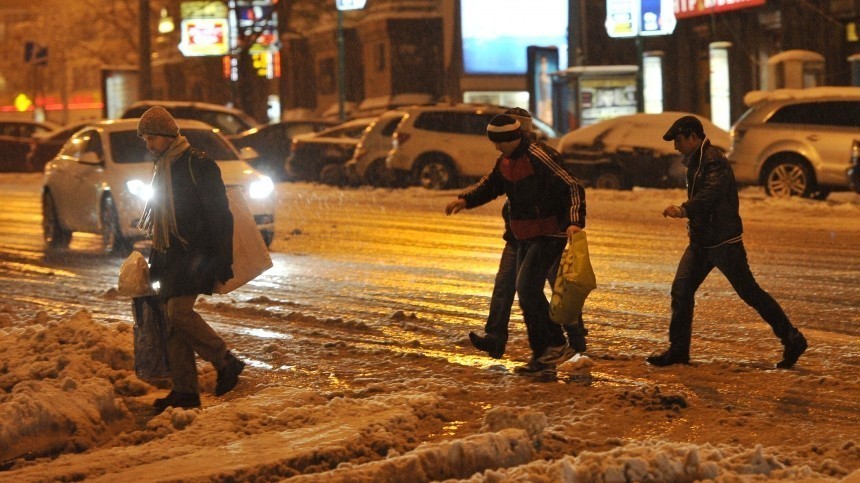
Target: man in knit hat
(191, 228)
(546, 205)
(495, 336)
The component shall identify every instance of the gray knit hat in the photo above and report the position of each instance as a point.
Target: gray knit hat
(157, 121)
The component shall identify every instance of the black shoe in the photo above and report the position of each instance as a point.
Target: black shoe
(536, 369)
(669, 358)
(175, 399)
(489, 344)
(576, 337)
(229, 375)
(794, 348)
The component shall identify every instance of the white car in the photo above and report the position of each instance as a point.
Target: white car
(100, 181)
(444, 146)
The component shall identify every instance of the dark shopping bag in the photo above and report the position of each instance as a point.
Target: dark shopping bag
(150, 339)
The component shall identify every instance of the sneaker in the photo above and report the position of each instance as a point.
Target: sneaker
(669, 358)
(557, 354)
(493, 346)
(186, 400)
(795, 347)
(228, 376)
(536, 369)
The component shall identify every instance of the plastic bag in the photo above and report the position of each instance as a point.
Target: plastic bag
(250, 254)
(150, 339)
(134, 276)
(575, 280)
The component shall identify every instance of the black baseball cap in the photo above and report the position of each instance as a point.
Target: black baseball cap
(685, 125)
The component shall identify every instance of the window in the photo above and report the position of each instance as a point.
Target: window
(326, 76)
(824, 113)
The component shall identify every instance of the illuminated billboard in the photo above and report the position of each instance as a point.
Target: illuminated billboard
(204, 36)
(631, 18)
(496, 33)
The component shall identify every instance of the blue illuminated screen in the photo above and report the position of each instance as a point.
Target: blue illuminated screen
(497, 32)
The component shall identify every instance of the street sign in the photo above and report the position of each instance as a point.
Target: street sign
(349, 4)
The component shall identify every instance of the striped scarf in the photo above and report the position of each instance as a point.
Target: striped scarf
(159, 214)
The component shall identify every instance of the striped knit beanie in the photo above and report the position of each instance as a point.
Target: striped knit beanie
(504, 128)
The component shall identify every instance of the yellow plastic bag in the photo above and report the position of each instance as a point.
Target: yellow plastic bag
(575, 280)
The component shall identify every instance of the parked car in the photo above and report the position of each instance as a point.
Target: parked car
(794, 141)
(48, 144)
(100, 181)
(230, 121)
(321, 156)
(17, 140)
(368, 161)
(274, 141)
(443, 146)
(854, 171)
(629, 151)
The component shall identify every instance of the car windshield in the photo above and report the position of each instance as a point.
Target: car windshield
(127, 147)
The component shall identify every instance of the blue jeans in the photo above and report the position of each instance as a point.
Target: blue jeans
(731, 260)
(534, 259)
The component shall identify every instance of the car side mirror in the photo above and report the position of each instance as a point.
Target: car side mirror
(248, 153)
(90, 157)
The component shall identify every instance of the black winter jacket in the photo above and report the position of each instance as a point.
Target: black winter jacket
(712, 199)
(544, 198)
(204, 220)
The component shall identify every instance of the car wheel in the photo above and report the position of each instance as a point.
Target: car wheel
(53, 233)
(377, 174)
(789, 176)
(112, 239)
(268, 236)
(333, 174)
(608, 179)
(435, 173)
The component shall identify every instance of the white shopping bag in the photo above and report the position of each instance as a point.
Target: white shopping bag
(250, 254)
(134, 276)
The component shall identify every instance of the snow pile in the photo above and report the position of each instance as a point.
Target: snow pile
(60, 382)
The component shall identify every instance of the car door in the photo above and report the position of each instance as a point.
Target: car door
(85, 183)
(839, 126)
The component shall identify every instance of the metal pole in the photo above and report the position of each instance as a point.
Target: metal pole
(144, 81)
(341, 68)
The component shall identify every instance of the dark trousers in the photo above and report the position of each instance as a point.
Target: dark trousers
(534, 259)
(731, 260)
(504, 289)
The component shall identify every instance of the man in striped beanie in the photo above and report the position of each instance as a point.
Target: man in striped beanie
(546, 206)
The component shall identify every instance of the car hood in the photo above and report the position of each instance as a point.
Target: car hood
(642, 131)
(237, 172)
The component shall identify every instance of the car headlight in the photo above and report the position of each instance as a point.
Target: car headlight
(140, 189)
(261, 188)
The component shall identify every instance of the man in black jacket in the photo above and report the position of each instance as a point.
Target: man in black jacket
(716, 240)
(191, 227)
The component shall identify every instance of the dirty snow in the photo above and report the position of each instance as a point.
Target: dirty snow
(393, 408)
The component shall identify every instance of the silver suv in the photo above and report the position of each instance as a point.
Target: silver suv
(796, 142)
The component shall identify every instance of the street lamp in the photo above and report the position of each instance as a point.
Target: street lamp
(343, 5)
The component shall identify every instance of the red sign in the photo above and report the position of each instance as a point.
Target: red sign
(694, 8)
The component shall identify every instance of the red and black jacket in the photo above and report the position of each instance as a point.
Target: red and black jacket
(544, 198)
